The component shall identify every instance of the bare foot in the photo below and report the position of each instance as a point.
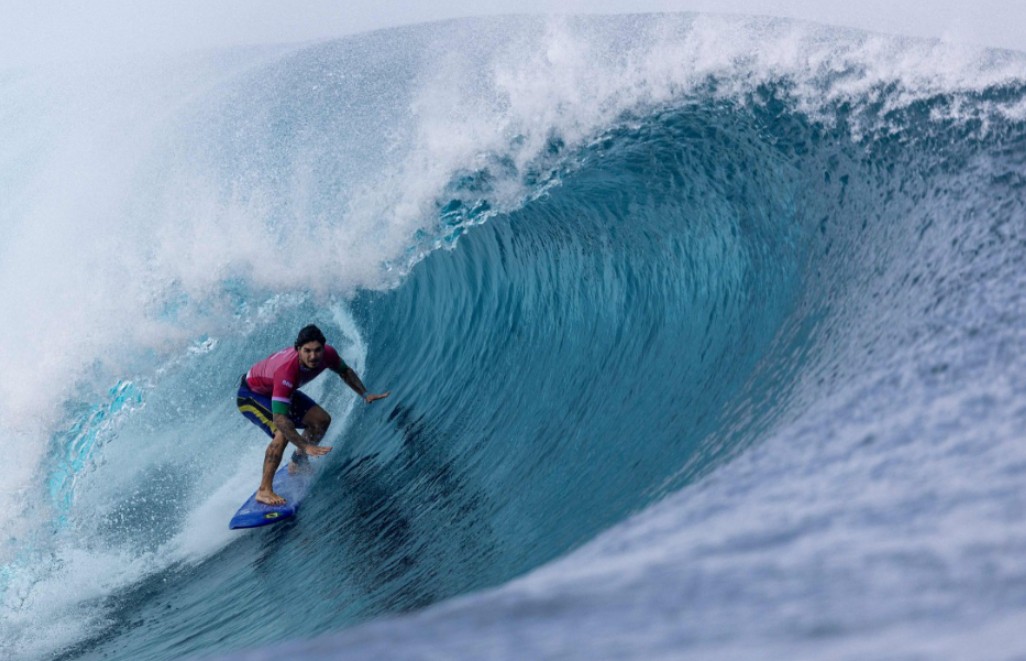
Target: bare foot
(268, 497)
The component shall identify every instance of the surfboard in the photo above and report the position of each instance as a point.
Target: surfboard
(293, 488)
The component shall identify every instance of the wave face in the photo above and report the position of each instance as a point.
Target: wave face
(704, 335)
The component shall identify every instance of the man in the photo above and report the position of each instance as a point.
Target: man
(269, 397)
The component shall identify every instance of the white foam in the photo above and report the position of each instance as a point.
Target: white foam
(207, 531)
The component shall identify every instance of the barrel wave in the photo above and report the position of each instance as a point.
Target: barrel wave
(704, 336)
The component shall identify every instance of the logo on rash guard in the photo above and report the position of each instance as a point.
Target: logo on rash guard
(287, 383)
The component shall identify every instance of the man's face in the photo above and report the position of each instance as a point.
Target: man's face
(310, 354)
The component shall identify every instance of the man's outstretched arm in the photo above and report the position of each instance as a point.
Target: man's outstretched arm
(353, 381)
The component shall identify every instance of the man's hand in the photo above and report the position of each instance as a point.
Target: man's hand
(368, 397)
(316, 450)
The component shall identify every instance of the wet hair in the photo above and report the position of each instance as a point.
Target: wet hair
(310, 334)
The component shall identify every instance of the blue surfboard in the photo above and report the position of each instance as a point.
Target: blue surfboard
(293, 488)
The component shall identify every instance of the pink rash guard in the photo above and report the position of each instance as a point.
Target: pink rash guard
(280, 374)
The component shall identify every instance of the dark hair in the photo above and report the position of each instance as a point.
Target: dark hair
(310, 334)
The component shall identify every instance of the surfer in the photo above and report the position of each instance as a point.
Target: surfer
(269, 397)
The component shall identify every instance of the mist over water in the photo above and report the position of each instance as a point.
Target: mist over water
(737, 297)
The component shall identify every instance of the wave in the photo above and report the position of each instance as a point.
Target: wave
(652, 293)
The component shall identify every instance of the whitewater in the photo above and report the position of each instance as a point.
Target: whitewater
(705, 336)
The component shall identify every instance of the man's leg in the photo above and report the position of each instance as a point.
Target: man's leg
(257, 409)
(272, 459)
(315, 423)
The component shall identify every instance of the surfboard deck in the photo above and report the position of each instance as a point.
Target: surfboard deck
(293, 488)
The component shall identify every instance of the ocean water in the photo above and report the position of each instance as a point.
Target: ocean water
(705, 337)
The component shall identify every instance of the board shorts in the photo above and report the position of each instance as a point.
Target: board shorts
(257, 408)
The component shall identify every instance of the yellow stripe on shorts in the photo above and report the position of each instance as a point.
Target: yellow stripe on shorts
(261, 415)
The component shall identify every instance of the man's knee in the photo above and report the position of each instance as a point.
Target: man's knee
(277, 443)
(318, 419)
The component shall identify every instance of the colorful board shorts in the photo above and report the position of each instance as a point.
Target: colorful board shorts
(257, 408)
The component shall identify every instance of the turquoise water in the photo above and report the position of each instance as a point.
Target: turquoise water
(710, 351)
